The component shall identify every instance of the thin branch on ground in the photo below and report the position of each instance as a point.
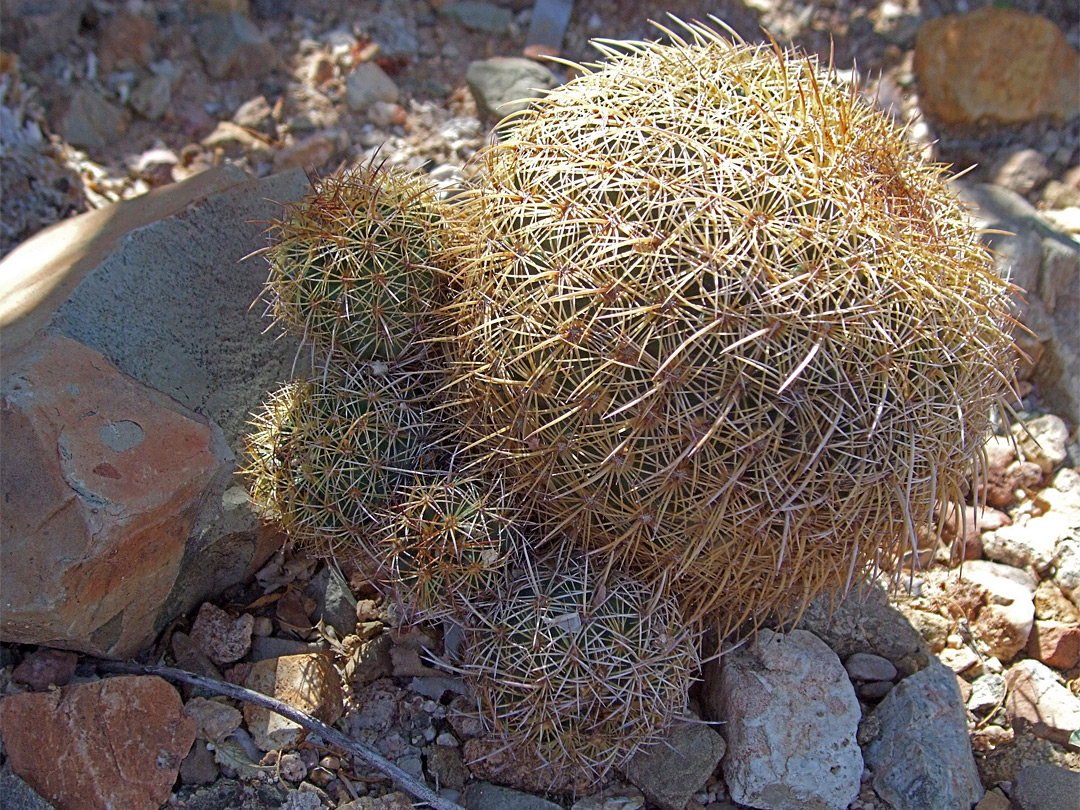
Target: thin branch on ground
(327, 733)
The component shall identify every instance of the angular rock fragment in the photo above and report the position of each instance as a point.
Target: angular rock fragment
(916, 744)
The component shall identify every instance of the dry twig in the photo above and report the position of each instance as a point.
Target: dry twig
(328, 734)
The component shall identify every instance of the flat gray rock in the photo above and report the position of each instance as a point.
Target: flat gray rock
(504, 84)
(486, 796)
(1046, 787)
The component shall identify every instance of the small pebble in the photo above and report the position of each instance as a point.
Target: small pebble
(867, 667)
(292, 768)
(263, 626)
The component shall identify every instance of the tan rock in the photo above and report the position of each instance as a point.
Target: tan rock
(103, 479)
(1004, 623)
(97, 746)
(994, 800)
(308, 682)
(1036, 699)
(995, 65)
(1052, 605)
(1056, 644)
(214, 720)
(310, 154)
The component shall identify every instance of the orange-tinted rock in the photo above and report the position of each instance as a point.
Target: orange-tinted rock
(103, 480)
(995, 65)
(97, 746)
(1056, 644)
(307, 682)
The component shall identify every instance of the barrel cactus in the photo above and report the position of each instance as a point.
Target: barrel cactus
(327, 454)
(579, 671)
(351, 264)
(720, 322)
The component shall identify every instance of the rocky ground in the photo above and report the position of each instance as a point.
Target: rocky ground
(102, 101)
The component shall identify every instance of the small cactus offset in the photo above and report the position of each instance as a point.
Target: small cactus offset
(328, 453)
(580, 671)
(719, 321)
(351, 264)
(448, 545)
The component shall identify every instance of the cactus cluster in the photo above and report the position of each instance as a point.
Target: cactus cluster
(704, 337)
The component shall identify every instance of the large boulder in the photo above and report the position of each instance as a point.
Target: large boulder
(995, 65)
(131, 361)
(103, 481)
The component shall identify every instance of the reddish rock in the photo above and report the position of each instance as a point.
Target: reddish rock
(102, 480)
(1056, 644)
(125, 41)
(222, 638)
(46, 668)
(1000, 487)
(1005, 622)
(98, 746)
(995, 65)
(308, 682)
(976, 520)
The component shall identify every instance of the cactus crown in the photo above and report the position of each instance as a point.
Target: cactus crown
(350, 265)
(718, 320)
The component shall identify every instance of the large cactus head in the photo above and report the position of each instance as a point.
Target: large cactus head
(328, 453)
(351, 264)
(578, 670)
(719, 320)
(449, 544)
